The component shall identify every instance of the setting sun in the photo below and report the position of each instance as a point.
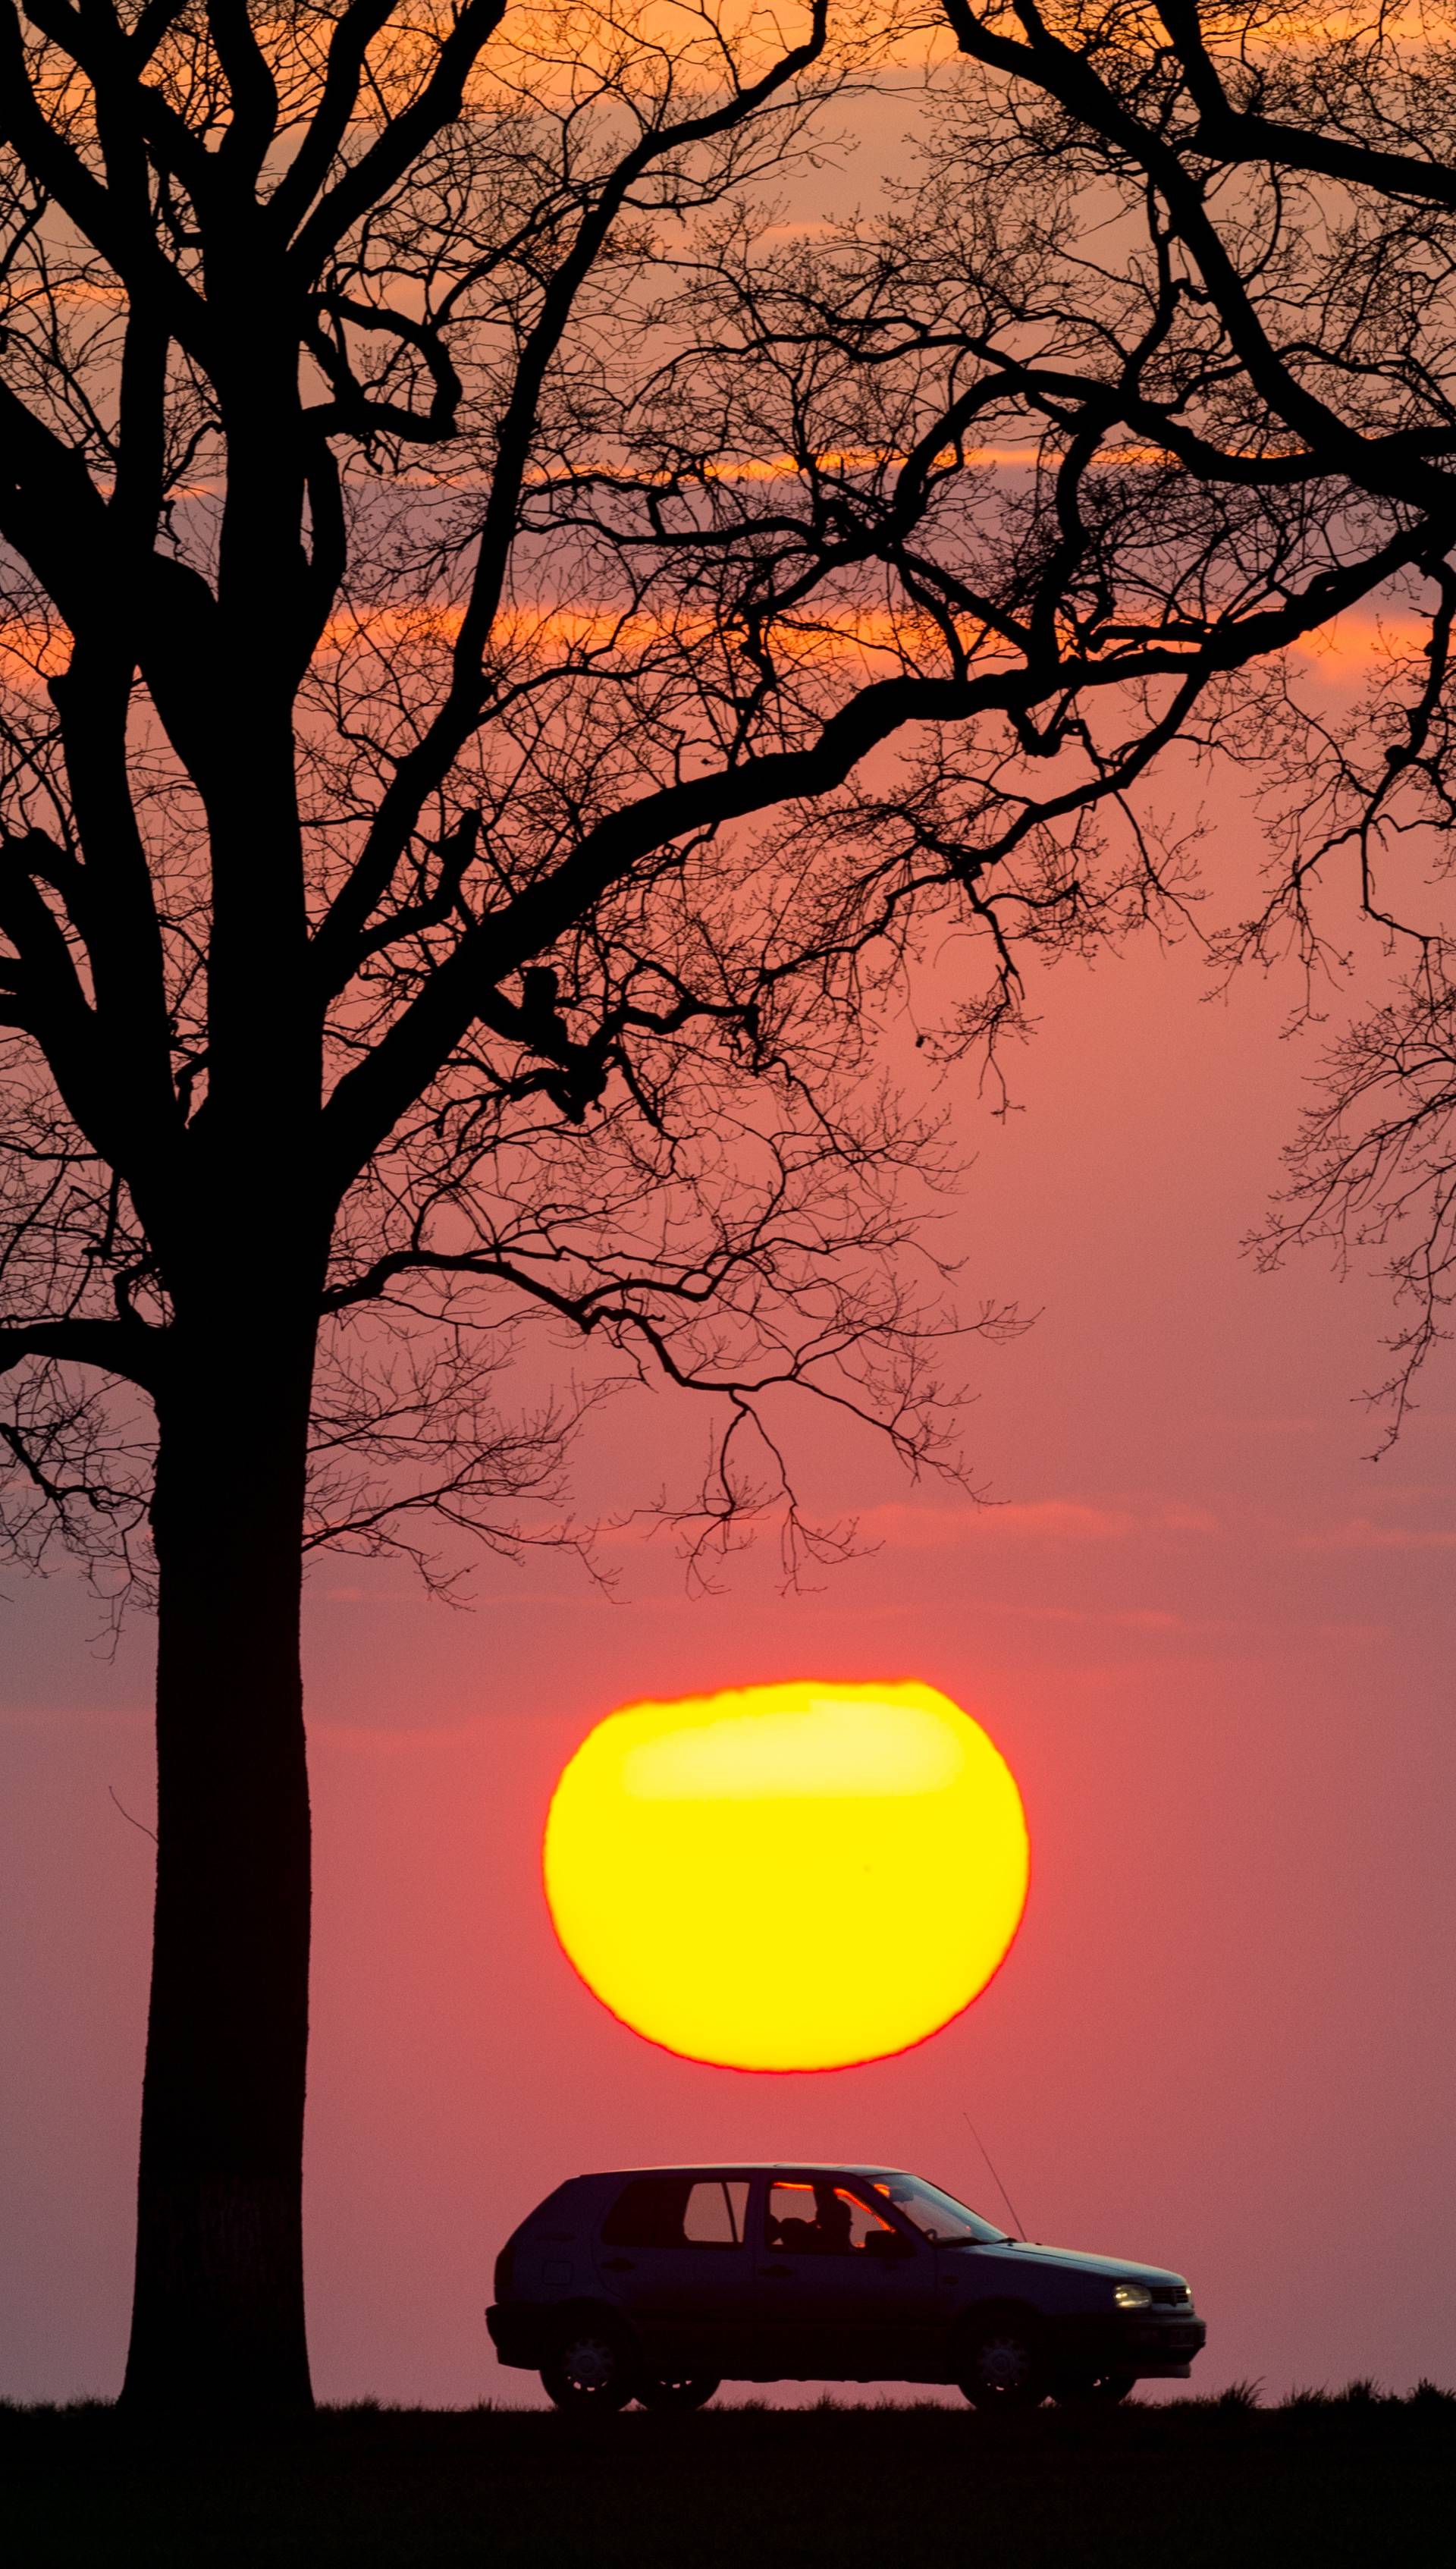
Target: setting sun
(789, 1876)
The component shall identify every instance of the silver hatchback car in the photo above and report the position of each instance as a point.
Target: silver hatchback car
(658, 2284)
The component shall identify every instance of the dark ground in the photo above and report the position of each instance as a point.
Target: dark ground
(1196, 2484)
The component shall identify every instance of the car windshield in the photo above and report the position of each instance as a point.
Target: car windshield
(938, 2215)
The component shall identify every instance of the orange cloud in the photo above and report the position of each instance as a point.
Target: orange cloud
(904, 1528)
(1361, 1534)
(1353, 646)
(33, 650)
(828, 634)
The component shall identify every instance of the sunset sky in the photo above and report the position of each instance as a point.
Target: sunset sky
(1212, 1640)
(1213, 1643)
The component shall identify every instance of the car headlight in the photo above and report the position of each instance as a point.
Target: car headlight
(1132, 2296)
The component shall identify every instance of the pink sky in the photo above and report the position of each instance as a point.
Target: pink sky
(1213, 1643)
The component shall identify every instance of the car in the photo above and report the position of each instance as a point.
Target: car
(658, 2284)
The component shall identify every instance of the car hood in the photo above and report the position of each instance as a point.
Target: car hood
(1023, 2252)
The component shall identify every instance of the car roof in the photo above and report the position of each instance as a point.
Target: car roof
(751, 2167)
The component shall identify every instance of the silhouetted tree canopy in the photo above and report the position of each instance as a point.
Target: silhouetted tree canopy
(1298, 180)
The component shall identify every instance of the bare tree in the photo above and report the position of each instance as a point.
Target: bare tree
(506, 654)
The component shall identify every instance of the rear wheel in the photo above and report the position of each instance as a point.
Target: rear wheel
(690, 2390)
(592, 2369)
(1003, 2368)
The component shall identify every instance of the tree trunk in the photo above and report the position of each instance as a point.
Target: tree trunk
(218, 2316)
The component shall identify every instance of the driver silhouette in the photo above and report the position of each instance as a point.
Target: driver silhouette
(833, 2219)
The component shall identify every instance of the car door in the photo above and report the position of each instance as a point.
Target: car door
(673, 2256)
(845, 2291)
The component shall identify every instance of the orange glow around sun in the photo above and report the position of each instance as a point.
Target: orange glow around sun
(790, 1877)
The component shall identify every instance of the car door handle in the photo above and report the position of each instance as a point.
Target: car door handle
(775, 2274)
(618, 2264)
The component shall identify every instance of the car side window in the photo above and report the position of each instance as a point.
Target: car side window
(814, 2216)
(717, 2208)
(677, 2212)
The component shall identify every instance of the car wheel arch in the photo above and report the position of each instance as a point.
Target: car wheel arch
(586, 2312)
(999, 2311)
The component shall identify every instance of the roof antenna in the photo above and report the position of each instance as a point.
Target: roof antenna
(1017, 2224)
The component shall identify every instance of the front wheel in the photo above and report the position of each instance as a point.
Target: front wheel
(690, 2390)
(591, 2370)
(1002, 2369)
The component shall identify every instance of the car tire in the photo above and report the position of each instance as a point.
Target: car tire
(690, 2390)
(1002, 2366)
(1094, 2390)
(591, 2371)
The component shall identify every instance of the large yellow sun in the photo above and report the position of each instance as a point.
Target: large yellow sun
(789, 1876)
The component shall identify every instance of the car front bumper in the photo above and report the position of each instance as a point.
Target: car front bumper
(1151, 2346)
